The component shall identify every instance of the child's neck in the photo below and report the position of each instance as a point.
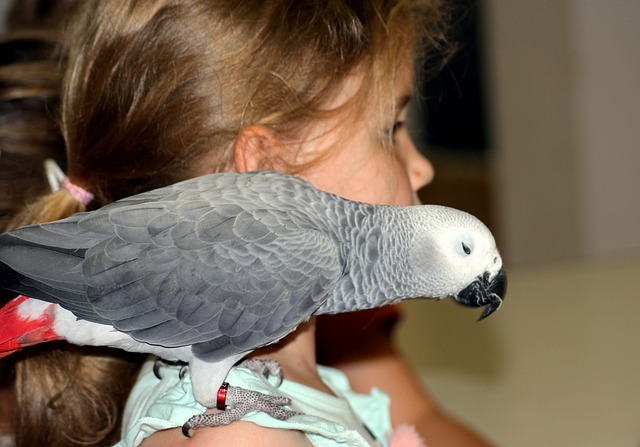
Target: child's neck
(296, 354)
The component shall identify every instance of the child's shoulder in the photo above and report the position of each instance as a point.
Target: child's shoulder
(238, 434)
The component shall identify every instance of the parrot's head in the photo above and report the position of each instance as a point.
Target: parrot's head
(455, 255)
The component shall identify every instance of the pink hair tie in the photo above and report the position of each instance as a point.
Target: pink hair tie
(80, 194)
(58, 180)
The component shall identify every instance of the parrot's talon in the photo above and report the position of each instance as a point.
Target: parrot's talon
(159, 363)
(185, 429)
(265, 368)
(239, 402)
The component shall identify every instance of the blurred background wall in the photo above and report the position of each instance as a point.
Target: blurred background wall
(563, 78)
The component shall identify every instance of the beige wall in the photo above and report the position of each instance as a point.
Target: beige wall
(530, 102)
(565, 100)
(606, 44)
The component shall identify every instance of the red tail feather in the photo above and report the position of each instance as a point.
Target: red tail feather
(18, 330)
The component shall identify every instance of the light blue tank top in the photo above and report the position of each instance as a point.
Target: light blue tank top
(331, 421)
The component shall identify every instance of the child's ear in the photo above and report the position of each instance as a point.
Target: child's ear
(257, 149)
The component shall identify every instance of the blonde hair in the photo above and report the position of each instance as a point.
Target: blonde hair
(157, 91)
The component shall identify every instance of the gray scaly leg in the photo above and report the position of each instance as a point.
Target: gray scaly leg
(238, 403)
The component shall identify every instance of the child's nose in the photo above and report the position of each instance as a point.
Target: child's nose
(419, 168)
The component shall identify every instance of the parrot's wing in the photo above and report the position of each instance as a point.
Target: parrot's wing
(44, 261)
(223, 279)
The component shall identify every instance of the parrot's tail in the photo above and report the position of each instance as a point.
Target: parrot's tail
(21, 326)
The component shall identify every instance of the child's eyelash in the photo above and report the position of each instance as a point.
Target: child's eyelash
(390, 132)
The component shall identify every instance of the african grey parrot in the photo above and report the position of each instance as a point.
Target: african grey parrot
(209, 269)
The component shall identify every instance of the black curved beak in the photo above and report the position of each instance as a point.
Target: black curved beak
(484, 292)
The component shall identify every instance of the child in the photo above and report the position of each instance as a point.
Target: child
(160, 91)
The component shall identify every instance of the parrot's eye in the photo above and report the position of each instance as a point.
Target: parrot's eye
(466, 248)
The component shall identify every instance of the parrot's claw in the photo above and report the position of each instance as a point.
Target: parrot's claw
(266, 368)
(159, 363)
(238, 403)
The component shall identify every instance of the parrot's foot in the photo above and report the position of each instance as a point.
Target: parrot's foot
(265, 368)
(238, 403)
(159, 363)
